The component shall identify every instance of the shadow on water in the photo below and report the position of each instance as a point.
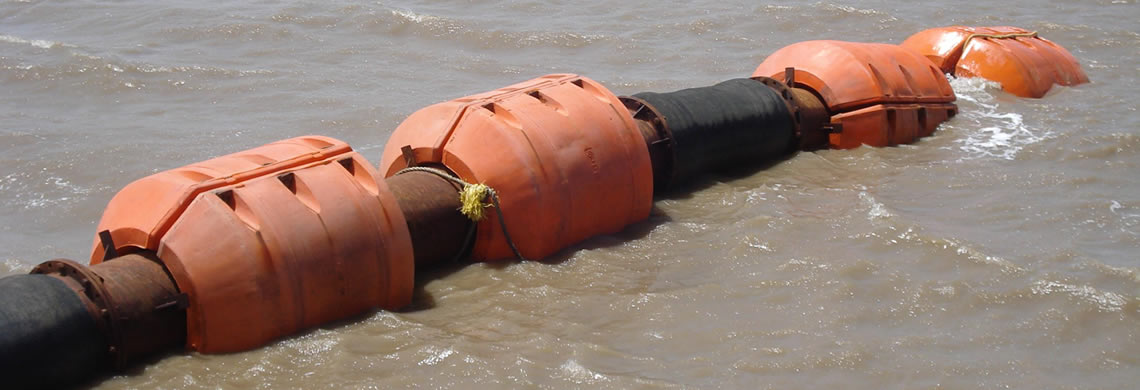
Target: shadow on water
(729, 174)
(423, 299)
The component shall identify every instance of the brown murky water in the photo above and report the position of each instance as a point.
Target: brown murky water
(1000, 253)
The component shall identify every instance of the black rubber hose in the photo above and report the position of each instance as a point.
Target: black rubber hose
(738, 122)
(47, 337)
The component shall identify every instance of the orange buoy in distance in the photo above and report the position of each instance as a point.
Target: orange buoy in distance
(1024, 63)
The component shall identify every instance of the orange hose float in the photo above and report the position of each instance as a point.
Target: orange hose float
(563, 153)
(1024, 63)
(270, 241)
(168, 193)
(877, 94)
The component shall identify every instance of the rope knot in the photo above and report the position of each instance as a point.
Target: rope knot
(471, 197)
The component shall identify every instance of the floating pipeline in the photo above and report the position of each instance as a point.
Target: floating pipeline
(231, 253)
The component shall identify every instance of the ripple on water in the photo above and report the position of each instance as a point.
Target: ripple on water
(398, 21)
(75, 69)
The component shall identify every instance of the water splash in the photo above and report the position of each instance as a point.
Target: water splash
(875, 210)
(998, 134)
(578, 373)
(436, 355)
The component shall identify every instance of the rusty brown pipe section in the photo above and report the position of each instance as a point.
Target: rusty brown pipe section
(440, 233)
(132, 299)
(67, 321)
(148, 312)
(809, 114)
(812, 119)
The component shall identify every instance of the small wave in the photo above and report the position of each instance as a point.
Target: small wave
(40, 43)
(999, 134)
(1105, 300)
(960, 249)
(1106, 146)
(415, 17)
(305, 19)
(978, 257)
(228, 31)
(117, 75)
(449, 29)
(852, 10)
(1119, 272)
(1129, 217)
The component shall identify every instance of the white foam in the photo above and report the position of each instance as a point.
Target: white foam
(999, 134)
(58, 191)
(1129, 220)
(574, 371)
(314, 344)
(13, 266)
(853, 10)
(414, 17)
(876, 210)
(436, 356)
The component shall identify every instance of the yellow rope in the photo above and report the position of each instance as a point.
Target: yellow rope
(471, 200)
(471, 197)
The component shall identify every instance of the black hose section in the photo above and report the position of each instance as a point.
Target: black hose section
(738, 122)
(47, 337)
